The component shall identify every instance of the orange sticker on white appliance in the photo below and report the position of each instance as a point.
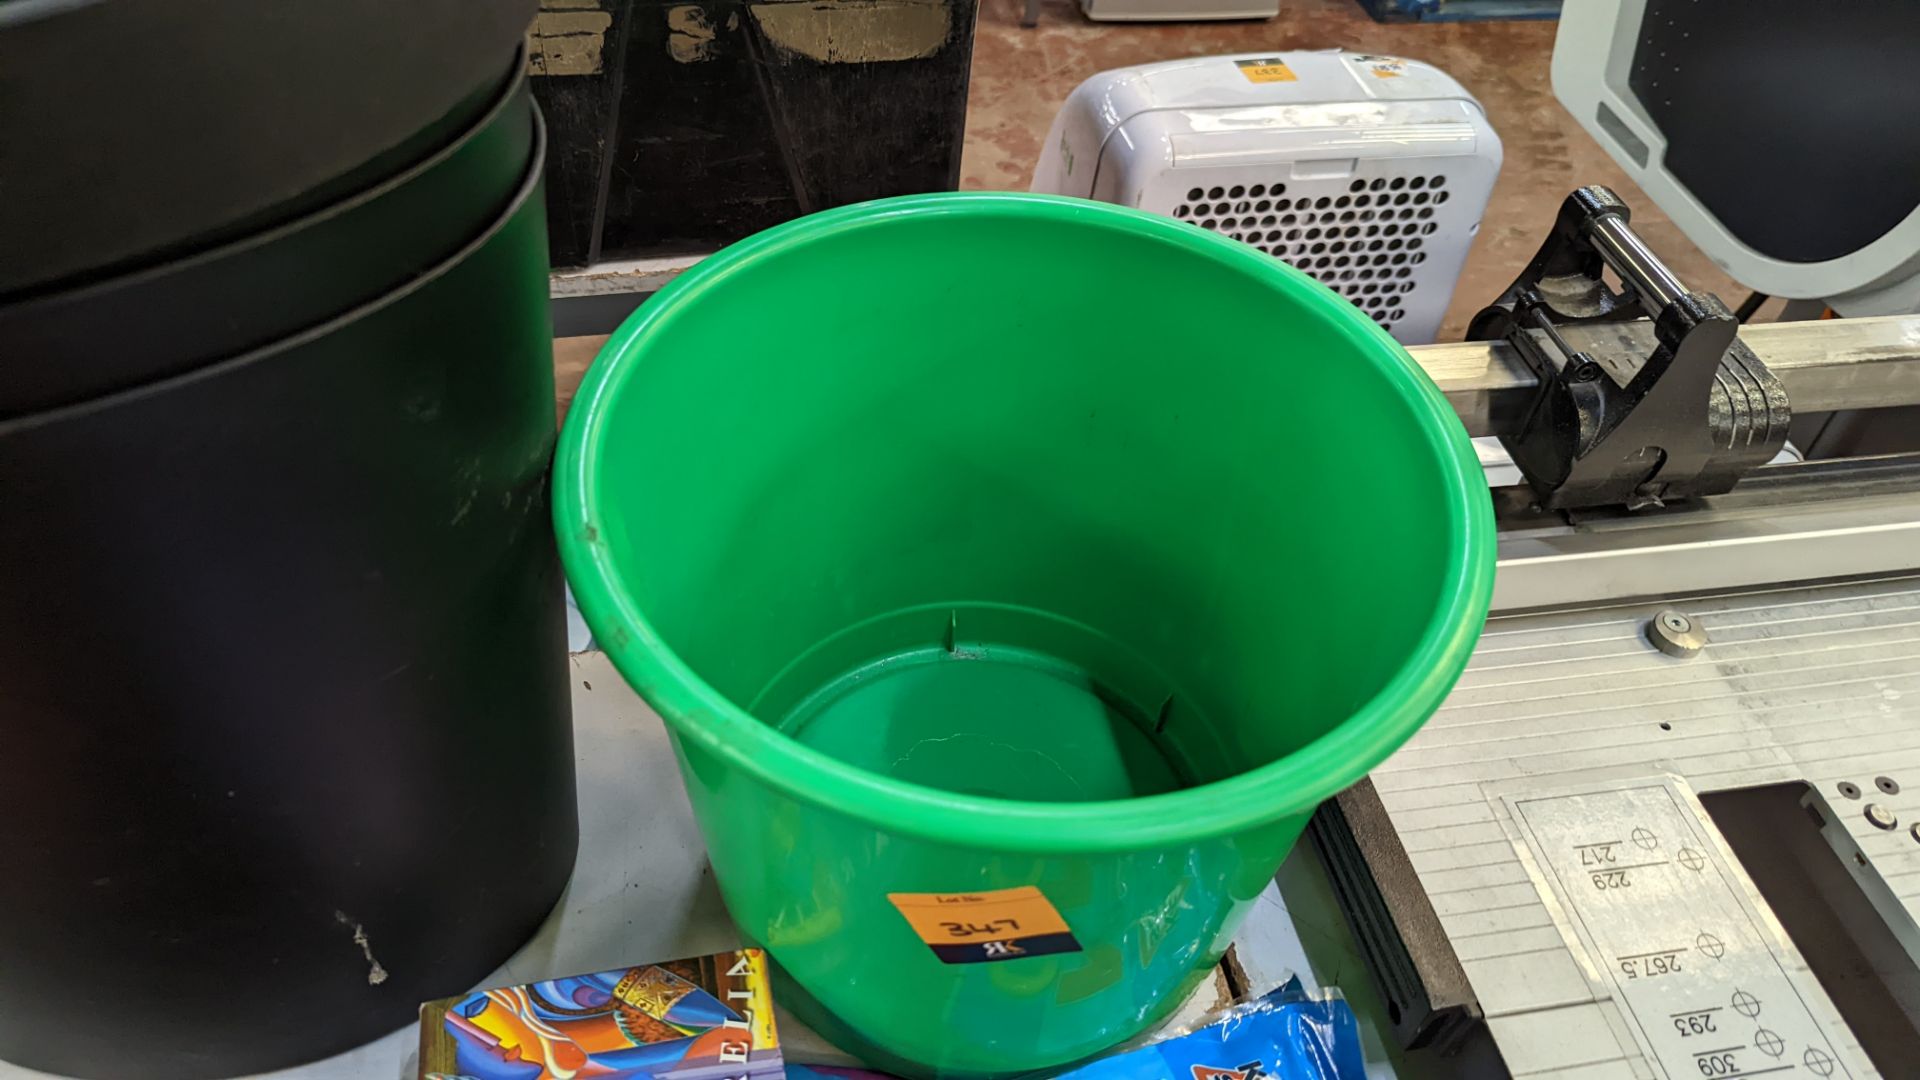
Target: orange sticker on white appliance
(1382, 67)
(1266, 69)
(998, 924)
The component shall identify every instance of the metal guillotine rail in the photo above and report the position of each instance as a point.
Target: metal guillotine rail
(1643, 421)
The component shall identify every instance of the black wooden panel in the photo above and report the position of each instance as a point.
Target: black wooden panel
(708, 121)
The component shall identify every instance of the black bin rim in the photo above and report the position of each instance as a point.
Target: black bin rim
(177, 128)
(529, 187)
(66, 341)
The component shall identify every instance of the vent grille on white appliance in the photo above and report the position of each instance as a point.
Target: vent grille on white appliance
(1361, 240)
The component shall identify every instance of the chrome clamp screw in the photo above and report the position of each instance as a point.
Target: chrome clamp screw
(1677, 634)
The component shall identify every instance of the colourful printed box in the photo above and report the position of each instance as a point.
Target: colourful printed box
(709, 1018)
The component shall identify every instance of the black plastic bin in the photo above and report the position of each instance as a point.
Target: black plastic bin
(285, 744)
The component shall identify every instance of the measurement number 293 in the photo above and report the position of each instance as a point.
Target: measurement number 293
(1690, 1024)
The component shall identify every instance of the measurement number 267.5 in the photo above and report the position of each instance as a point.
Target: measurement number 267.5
(1650, 966)
(1611, 879)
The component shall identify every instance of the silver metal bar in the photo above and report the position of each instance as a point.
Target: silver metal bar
(1580, 566)
(1786, 524)
(1486, 382)
(1621, 248)
(1825, 365)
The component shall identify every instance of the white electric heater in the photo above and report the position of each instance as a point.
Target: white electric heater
(1368, 172)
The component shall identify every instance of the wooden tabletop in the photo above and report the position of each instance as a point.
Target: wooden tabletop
(571, 358)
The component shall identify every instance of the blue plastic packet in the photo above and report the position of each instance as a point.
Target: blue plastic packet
(1284, 1035)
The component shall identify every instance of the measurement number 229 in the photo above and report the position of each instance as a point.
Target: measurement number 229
(1611, 879)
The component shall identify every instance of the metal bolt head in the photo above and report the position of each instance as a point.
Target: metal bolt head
(1916, 832)
(1676, 633)
(1880, 817)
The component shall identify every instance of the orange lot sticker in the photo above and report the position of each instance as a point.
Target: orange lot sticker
(1383, 67)
(999, 924)
(1266, 69)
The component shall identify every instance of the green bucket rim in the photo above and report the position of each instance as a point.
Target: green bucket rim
(1295, 784)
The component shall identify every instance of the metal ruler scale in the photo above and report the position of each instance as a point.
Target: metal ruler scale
(1652, 906)
(1815, 685)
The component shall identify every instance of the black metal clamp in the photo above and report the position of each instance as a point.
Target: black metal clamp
(1696, 415)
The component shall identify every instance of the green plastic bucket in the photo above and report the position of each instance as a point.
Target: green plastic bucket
(1015, 575)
